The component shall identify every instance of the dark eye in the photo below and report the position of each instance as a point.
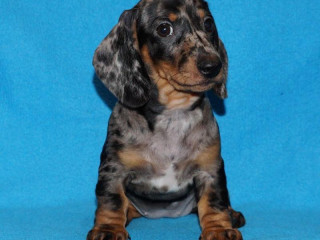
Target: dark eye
(165, 29)
(209, 25)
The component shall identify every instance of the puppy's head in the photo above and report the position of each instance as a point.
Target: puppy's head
(172, 39)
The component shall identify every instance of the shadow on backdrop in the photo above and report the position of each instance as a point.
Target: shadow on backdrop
(110, 100)
(107, 97)
(217, 104)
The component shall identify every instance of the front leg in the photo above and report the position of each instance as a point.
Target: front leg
(111, 214)
(113, 205)
(215, 222)
(215, 214)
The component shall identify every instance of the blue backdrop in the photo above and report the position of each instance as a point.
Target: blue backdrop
(54, 115)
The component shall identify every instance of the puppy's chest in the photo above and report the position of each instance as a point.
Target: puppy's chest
(176, 136)
(176, 140)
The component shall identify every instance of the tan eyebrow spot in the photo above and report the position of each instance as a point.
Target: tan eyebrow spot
(173, 17)
(201, 13)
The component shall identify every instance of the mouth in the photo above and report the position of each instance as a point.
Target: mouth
(196, 87)
(202, 85)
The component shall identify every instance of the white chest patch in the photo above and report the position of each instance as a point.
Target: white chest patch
(168, 181)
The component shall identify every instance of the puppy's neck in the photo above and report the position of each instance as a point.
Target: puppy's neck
(172, 98)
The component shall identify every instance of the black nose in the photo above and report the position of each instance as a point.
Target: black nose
(209, 67)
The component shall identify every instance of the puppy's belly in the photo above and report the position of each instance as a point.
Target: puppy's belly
(156, 204)
(162, 196)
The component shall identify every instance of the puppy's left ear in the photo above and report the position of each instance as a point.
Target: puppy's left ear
(118, 63)
(220, 89)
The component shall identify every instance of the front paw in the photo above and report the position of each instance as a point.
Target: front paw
(108, 232)
(220, 234)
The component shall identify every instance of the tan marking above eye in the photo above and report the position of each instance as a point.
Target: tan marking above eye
(173, 17)
(201, 13)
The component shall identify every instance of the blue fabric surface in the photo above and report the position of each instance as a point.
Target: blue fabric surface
(54, 114)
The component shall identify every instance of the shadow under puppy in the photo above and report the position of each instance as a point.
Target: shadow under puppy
(162, 153)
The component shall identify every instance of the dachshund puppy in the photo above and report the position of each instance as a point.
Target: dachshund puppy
(162, 153)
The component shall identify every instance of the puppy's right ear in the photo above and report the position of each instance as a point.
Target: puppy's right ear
(118, 63)
(220, 89)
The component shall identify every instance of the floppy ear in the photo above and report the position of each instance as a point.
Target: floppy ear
(220, 89)
(118, 63)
